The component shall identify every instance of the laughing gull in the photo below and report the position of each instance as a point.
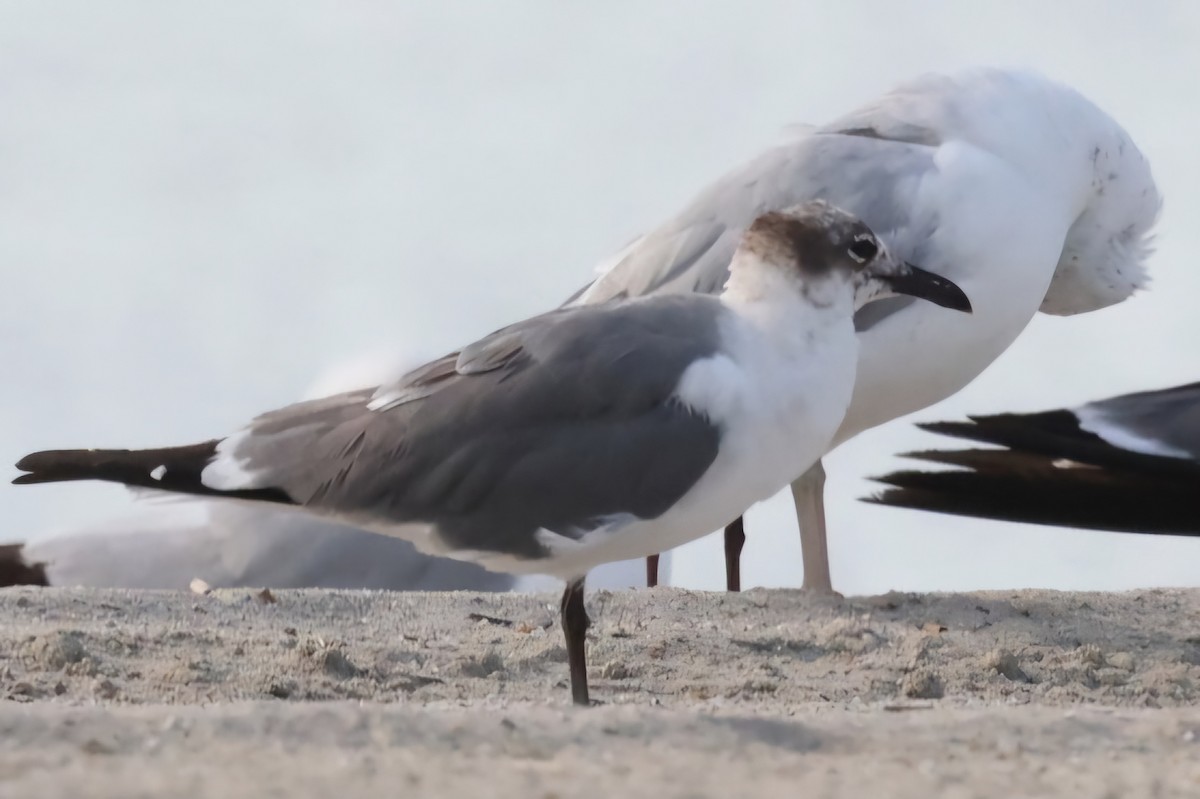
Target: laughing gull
(1128, 464)
(579, 437)
(1017, 188)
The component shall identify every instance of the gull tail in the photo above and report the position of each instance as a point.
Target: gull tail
(172, 469)
(15, 570)
(1052, 472)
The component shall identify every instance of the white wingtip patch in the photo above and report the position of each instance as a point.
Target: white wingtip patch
(225, 471)
(157, 472)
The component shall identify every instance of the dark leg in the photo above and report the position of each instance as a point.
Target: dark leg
(652, 571)
(575, 623)
(735, 539)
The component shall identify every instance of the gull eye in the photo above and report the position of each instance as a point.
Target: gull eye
(863, 249)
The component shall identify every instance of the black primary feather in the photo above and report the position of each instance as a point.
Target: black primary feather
(1050, 471)
(178, 469)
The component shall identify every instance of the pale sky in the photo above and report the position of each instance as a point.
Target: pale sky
(203, 206)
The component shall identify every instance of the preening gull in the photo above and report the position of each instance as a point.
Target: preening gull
(1128, 464)
(1015, 187)
(578, 437)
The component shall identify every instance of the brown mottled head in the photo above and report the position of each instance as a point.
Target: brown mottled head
(837, 259)
(815, 238)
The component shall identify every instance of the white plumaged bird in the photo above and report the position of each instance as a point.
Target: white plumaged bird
(1017, 188)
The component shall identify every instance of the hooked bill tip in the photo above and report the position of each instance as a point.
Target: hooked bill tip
(925, 285)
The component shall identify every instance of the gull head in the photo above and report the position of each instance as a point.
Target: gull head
(1068, 149)
(832, 258)
(1065, 143)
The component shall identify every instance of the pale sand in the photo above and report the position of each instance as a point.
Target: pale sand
(343, 694)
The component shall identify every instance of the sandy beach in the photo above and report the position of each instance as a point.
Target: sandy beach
(317, 693)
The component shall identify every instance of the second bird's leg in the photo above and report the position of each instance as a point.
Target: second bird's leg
(735, 539)
(575, 624)
(808, 492)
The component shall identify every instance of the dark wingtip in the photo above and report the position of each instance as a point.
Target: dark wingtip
(183, 467)
(976, 458)
(891, 497)
(51, 465)
(903, 498)
(36, 461)
(948, 428)
(28, 464)
(904, 478)
(931, 455)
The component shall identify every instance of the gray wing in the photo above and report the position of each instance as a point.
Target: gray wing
(869, 163)
(560, 422)
(1168, 418)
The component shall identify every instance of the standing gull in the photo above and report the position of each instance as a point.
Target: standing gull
(1015, 187)
(578, 437)
(1126, 464)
